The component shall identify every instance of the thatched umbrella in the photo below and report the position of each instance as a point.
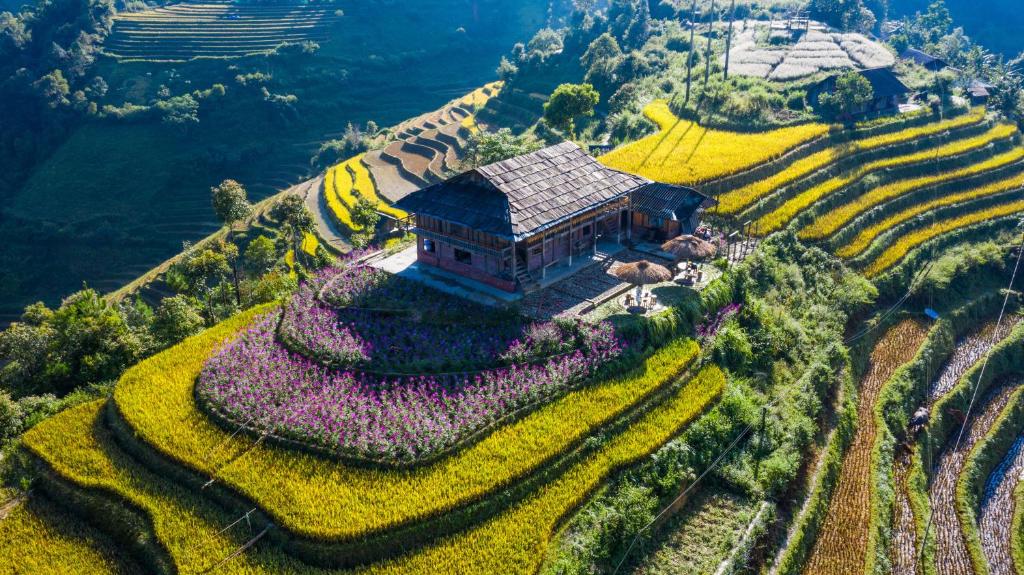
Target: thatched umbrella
(642, 273)
(689, 248)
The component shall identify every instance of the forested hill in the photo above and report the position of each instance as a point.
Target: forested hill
(996, 24)
(108, 167)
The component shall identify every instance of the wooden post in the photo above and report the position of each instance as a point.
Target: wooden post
(728, 38)
(593, 233)
(689, 54)
(570, 243)
(543, 249)
(707, 55)
(514, 258)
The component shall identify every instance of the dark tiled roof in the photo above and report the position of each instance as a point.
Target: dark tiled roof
(885, 82)
(519, 197)
(923, 58)
(669, 202)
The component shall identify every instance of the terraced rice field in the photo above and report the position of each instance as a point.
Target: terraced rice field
(178, 32)
(842, 543)
(37, 536)
(427, 149)
(156, 450)
(684, 153)
(997, 509)
(968, 352)
(951, 551)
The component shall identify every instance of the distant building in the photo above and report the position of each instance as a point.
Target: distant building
(924, 59)
(980, 91)
(506, 223)
(889, 91)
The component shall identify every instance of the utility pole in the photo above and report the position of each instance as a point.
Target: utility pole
(728, 38)
(689, 55)
(707, 55)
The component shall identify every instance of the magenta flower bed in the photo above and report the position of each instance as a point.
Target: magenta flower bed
(255, 380)
(369, 339)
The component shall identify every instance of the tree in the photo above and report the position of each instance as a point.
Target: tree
(86, 340)
(176, 318)
(506, 70)
(260, 255)
(604, 47)
(11, 418)
(489, 147)
(230, 202)
(364, 215)
(852, 92)
(568, 102)
(296, 220)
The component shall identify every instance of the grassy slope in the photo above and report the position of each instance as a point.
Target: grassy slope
(100, 183)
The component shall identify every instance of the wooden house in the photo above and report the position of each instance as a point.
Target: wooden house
(924, 59)
(507, 223)
(889, 91)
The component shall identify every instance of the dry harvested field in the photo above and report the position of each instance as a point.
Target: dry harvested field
(997, 509)
(969, 351)
(842, 542)
(950, 546)
(813, 52)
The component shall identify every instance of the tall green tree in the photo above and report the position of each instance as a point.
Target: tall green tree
(230, 202)
(569, 102)
(852, 92)
(489, 147)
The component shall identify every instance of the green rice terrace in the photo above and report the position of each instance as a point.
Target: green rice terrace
(638, 324)
(187, 30)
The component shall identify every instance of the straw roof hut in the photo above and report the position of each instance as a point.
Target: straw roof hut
(642, 273)
(689, 248)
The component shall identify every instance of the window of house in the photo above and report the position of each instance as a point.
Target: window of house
(586, 230)
(428, 246)
(536, 251)
(463, 257)
(657, 222)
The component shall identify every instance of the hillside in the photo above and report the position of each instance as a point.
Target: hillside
(988, 22)
(129, 192)
(761, 320)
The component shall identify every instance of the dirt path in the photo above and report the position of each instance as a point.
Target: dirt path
(312, 192)
(842, 544)
(950, 547)
(997, 510)
(968, 351)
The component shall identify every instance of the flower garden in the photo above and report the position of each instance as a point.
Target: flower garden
(392, 387)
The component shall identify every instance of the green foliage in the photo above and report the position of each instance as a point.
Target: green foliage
(85, 340)
(489, 147)
(844, 14)
(230, 202)
(852, 92)
(506, 70)
(352, 143)
(568, 102)
(177, 318)
(260, 255)
(366, 217)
